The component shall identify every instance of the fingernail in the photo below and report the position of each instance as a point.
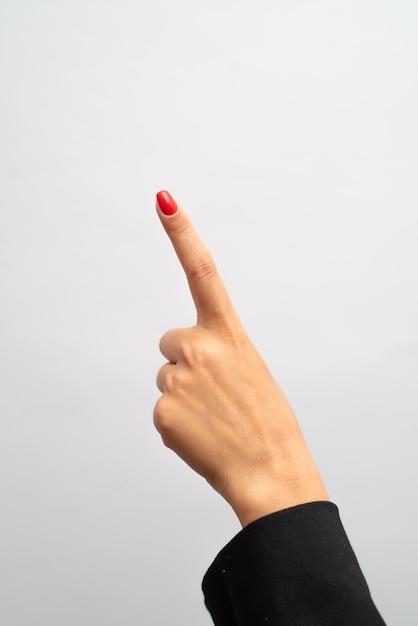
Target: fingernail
(166, 203)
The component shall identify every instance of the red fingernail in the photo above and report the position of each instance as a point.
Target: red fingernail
(166, 203)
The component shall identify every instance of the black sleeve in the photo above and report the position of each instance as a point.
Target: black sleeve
(291, 568)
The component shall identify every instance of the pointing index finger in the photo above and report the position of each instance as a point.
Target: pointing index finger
(208, 291)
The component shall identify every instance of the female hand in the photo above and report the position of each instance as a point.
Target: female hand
(221, 410)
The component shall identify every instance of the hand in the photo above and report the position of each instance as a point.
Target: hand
(221, 410)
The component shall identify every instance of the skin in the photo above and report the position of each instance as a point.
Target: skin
(221, 410)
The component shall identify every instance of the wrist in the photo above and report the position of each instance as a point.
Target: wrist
(276, 493)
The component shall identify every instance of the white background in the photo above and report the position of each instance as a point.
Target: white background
(288, 130)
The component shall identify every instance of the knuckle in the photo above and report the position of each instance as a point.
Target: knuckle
(158, 416)
(162, 421)
(166, 337)
(203, 268)
(202, 350)
(198, 353)
(181, 227)
(160, 381)
(173, 381)
(169, 344)
(170, 379)
(164, 341)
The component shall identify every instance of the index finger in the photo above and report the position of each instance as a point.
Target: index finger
(208, 291)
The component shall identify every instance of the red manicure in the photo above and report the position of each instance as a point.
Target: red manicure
(166, 203)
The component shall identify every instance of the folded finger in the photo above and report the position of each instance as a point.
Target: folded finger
(164, 372)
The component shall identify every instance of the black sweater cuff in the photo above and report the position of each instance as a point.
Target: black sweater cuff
(291, 568)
